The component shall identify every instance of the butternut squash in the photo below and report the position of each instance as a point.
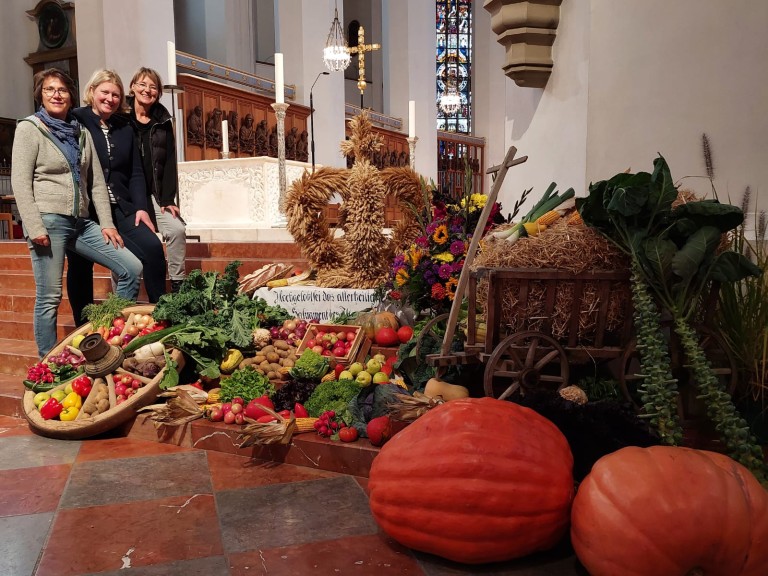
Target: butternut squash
(445, 390)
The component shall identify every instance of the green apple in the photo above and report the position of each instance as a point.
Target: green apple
(363, 378)
(355, 368)
(77, 340)
(380, 378)
(373, 366)
(68, 388)
(59, 395)
(346, 375)
(380, 358)
(41, 397)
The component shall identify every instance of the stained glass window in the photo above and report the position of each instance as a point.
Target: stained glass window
(454, 62)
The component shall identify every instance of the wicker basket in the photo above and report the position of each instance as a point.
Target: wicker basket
(86, 426)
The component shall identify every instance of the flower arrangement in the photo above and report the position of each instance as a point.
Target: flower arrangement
(426, 274)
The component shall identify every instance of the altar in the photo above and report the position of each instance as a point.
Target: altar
(316, 302)
(235, 200)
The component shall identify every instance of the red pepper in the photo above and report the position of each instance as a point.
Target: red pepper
(299, 411)
(82, 385)
(50, 409)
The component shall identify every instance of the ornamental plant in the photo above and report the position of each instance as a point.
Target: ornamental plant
(426, 274)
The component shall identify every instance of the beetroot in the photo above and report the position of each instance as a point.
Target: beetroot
(254, 411)
(379, 430)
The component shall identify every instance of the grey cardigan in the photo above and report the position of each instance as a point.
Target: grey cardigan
(43, 183)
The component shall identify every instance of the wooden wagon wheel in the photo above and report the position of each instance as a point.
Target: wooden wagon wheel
(715, 349)
(528, 359)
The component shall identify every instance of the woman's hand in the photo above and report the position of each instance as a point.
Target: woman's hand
(112, 237)
(42, 240)
(174, 210)
(143, 216)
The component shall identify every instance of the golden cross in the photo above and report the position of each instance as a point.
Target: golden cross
(360, 50)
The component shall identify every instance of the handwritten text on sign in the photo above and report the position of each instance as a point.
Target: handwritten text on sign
(321, 303)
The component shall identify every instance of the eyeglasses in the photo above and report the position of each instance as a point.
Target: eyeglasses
(50, 91)
(145, 86)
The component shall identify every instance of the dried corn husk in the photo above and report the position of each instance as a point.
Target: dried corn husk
(408, 408)
(277, 432)
(180, 409)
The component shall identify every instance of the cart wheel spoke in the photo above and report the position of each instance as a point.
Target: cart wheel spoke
(509, 391)
(546, 359)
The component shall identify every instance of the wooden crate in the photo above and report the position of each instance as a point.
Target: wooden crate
(357, 348)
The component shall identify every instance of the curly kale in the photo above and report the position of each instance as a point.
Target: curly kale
(310, 366)
(332, 395)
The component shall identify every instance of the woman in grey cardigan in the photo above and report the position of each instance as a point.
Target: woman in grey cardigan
(54, 168)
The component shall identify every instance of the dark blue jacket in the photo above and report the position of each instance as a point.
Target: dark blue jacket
(122, 164)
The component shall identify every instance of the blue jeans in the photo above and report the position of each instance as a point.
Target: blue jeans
(84, 237)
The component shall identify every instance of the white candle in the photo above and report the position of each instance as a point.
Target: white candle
(411, 119)
(224, 137)
(279, 83)
(171, 63)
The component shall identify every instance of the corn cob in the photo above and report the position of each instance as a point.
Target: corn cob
(533, 228)
(331, 376)
(575, 219)
(214, 396)
(305, 424)
(548, 218)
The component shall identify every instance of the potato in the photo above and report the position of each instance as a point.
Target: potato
(271, 375)
(281, 345)
(264, 365)
(287, 363)
(272, 357)
(267, 349)
(259, 358)
(103, 405)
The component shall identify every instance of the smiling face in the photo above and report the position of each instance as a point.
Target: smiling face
(106, 99)
(145, 90)
(56, 98)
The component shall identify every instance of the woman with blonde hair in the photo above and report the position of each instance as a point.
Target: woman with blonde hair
(110, 128)
(153, 127)
(55, 176)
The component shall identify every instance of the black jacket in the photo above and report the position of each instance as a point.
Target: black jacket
(122, 164)
(163, 181)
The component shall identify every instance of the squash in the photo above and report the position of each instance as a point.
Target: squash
(669, 510)
(446, 390)
(474, 480)
(385, 320)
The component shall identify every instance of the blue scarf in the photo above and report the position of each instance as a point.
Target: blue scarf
(66, 134)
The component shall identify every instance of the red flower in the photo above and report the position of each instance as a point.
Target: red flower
(438, 291)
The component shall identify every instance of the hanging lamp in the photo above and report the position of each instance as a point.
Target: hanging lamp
(335, 54)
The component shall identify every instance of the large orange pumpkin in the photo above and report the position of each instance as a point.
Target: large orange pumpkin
(667, 510)
(474, 480)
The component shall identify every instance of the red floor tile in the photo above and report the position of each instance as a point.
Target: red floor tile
(97, 539)
(10, 426)
(230, 472)
(32, 490)
(110, 448)
(374, 555)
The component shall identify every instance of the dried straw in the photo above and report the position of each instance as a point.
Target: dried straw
(407, 408)
(279, 431)
(180, 409)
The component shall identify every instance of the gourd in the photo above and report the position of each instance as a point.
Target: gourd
(446, 390)
(669, 510)
(385, 319)
(474, 480)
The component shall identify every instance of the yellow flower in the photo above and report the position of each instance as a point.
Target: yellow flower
(414, 255)
(440, 236)
(401, 277)
(443, 257)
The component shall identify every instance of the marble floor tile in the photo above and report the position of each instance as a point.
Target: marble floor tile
(10, 426)
(295, 513)
(21, 541)
(130, 479)
(30, 451)
(372, 555)
(212, 566)
(112, 448)
(32, 490)
(108, 538)
(230, 472)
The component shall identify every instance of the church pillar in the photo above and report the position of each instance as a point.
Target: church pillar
(409, 50)
(303, 30)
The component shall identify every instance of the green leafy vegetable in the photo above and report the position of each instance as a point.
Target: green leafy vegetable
(332, 395)
(310, 366)
(247, 383)
(102, 314)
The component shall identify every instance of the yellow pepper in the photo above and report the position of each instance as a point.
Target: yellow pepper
(232, 360)
(69, 413)
(72, 399)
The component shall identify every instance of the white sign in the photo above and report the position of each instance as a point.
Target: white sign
(310, 302)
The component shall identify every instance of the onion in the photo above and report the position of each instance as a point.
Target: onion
(289, 325)
(274, 332)
(300, 332)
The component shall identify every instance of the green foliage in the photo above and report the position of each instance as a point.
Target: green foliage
(332, 395)
(247, 383)
(102, 314)
(310, 366)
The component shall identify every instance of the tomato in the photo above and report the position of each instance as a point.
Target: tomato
(348, 434)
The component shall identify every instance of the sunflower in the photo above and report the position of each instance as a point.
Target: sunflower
(440, 235)
(450, 288)
(401, 277)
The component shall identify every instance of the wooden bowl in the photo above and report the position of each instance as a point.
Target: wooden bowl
(84, 426)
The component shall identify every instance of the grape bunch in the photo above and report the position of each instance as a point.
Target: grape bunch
(328, 424)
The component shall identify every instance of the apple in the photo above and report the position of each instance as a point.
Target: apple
(355, 368)
(363, 378)
(346, 375)
(68, 387)
(76, 341)
(229, 418)
(217, 415)
(380, 357)
(373, 366)
(380, 378)
(236, 408)
(239, 418)
(41, 397)
(351, 336)
(59, 395)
